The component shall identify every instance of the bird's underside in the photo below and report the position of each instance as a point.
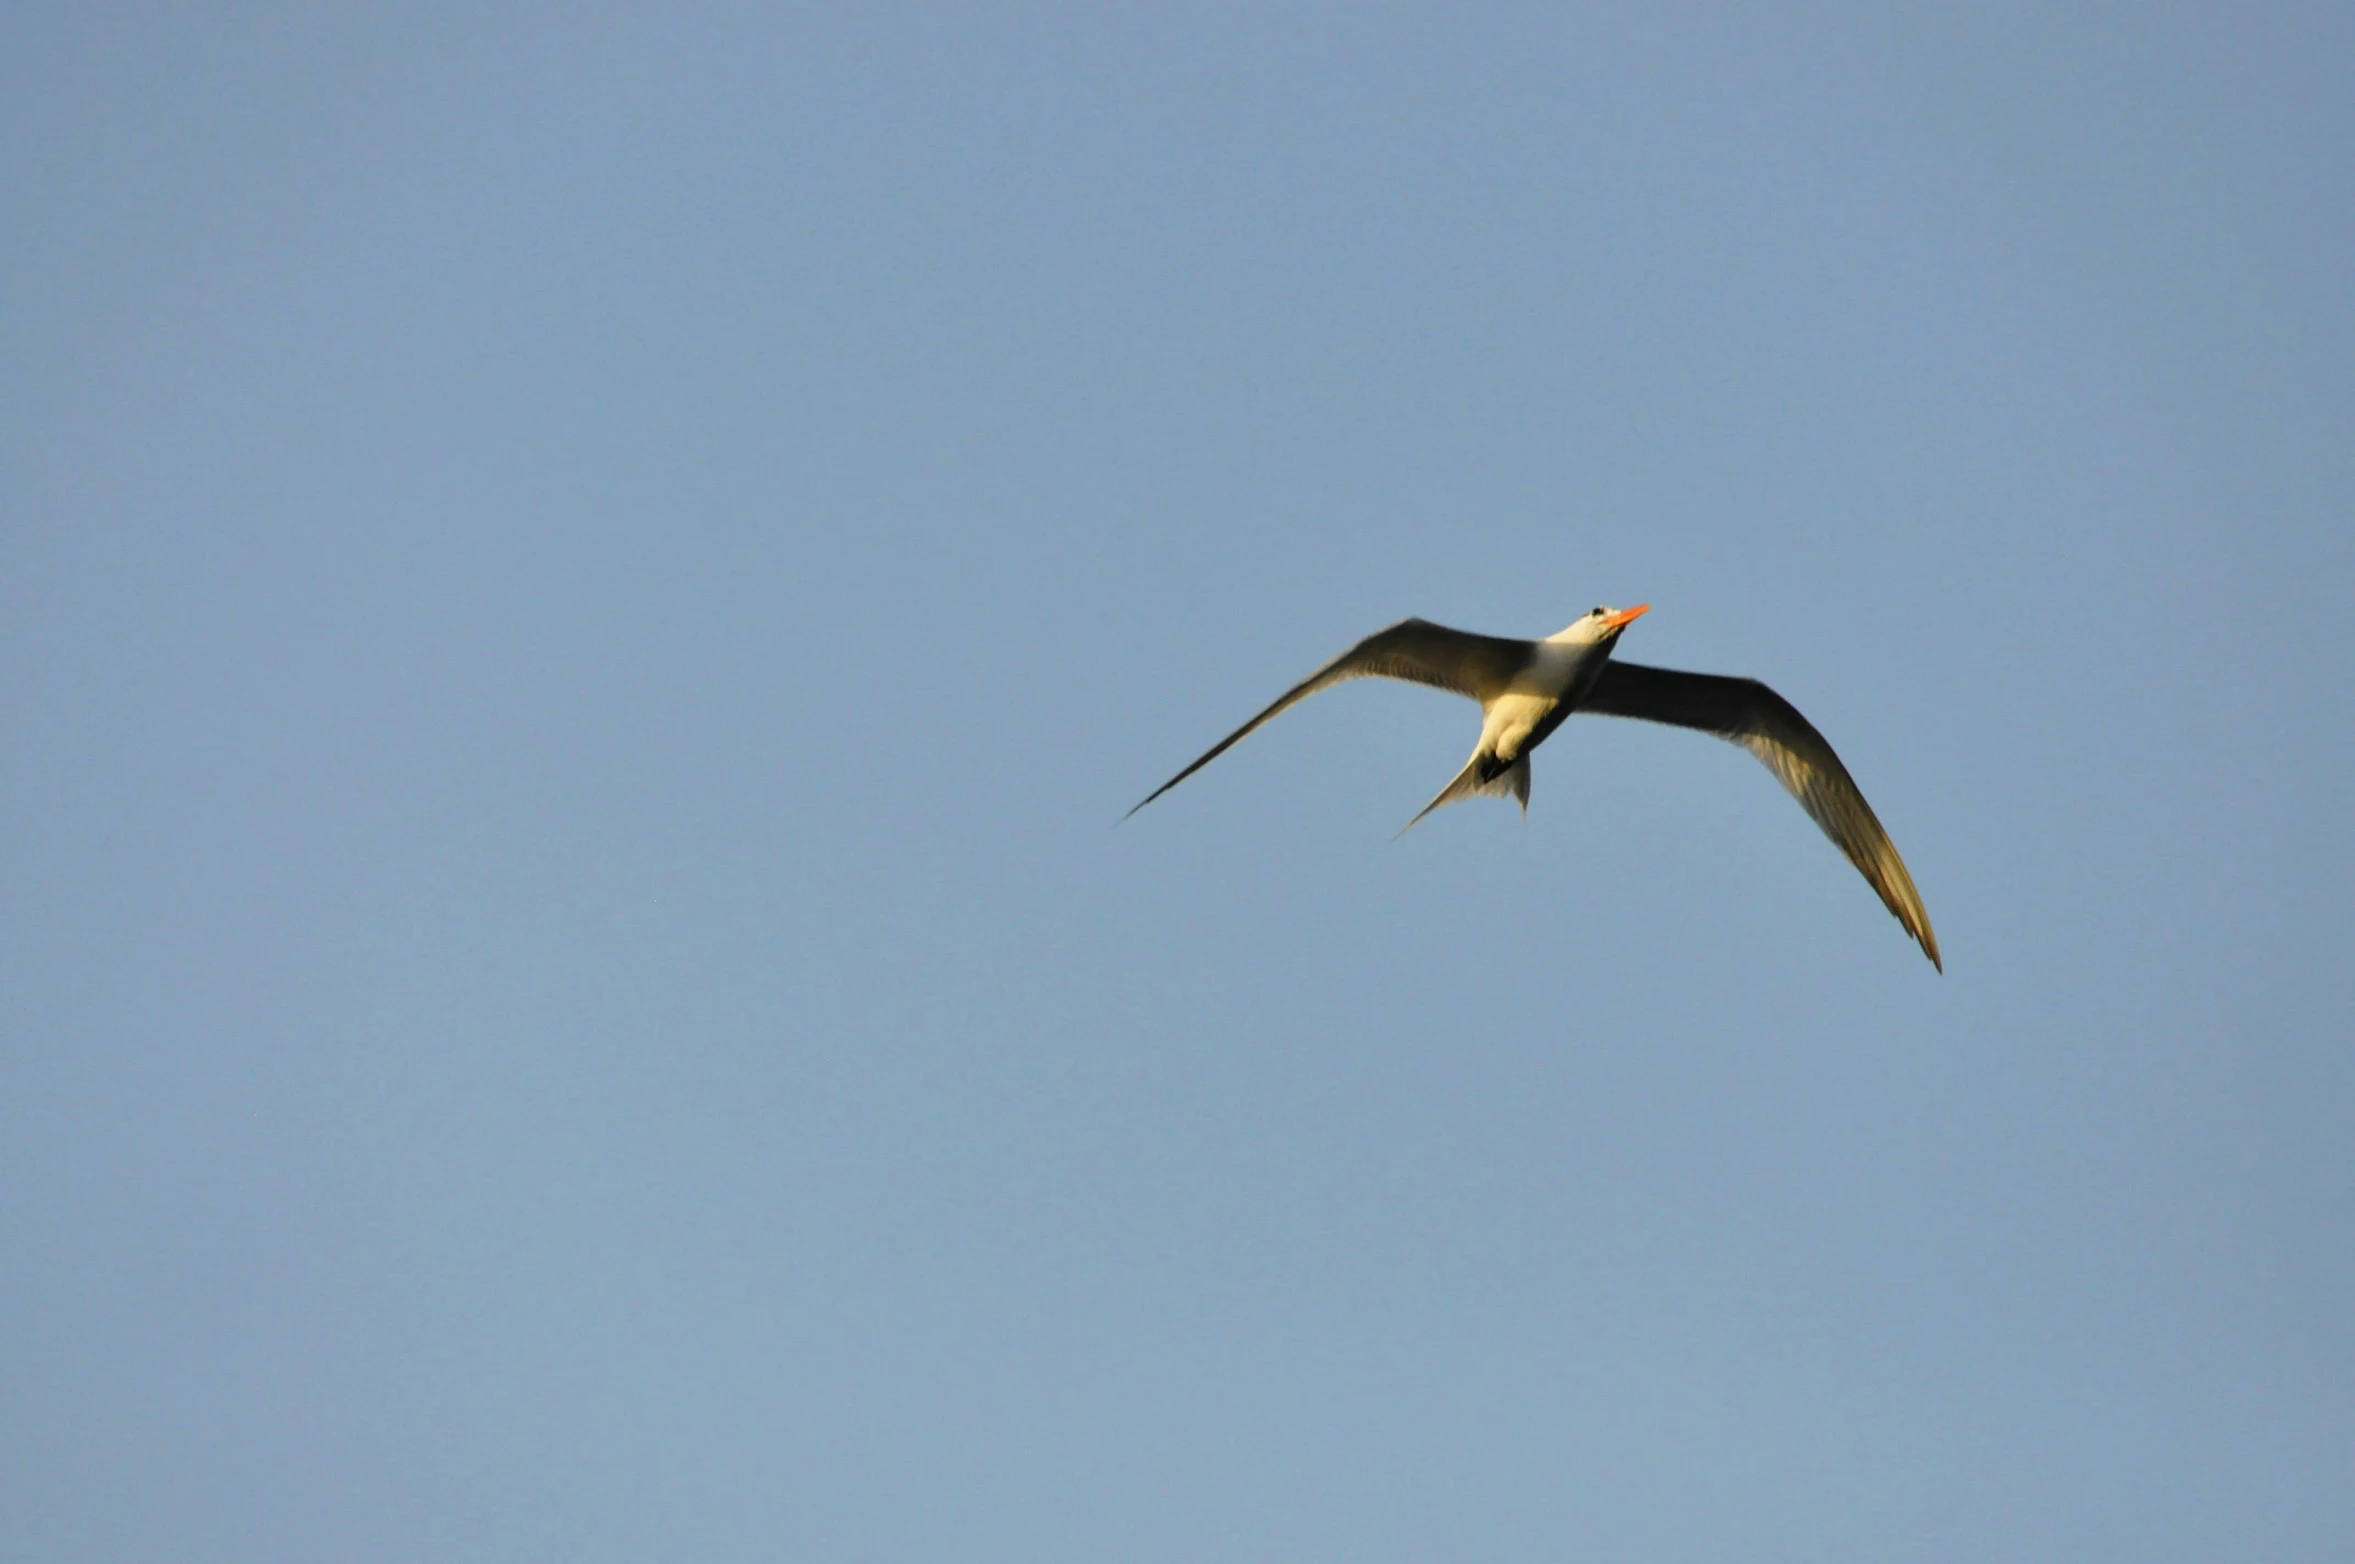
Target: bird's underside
(1526, 689)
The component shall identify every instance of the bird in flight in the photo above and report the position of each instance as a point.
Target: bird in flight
(1527, 688)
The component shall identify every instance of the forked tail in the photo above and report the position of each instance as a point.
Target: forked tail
(1470, 783)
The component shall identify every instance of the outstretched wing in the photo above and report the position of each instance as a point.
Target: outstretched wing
(1480, 666)
(1751, 715)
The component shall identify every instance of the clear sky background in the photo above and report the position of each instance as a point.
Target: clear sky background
(585, 590)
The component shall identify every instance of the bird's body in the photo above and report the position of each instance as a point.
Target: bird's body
(1562, 669)
(1527, 689)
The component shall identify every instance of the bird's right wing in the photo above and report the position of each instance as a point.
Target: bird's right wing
(1480, 666)
(1751, 715)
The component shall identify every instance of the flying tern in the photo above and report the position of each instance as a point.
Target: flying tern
(1527, 688)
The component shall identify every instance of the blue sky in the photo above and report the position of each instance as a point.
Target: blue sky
(585, 591)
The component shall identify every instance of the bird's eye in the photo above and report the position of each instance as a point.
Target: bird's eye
(1597, 611)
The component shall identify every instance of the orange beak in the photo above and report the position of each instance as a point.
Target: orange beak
(1625, 616)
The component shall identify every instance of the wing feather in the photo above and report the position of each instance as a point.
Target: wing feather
(1480, 666)
(1746, 712)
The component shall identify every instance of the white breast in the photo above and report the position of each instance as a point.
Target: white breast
(1558, 671)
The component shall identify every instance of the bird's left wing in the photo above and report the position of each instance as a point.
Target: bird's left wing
(1751, 715)
(1480, 666)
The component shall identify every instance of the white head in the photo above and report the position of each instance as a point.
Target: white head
(1599, 626)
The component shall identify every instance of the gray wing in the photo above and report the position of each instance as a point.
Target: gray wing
(1751, 715)
(1481, 666)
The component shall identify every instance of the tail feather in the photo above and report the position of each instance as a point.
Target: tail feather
(1469, 783)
